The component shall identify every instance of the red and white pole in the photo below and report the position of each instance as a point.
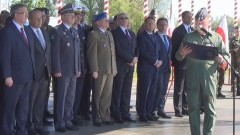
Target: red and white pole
(106, 7)
(209, 12)
(145, 9)
(192, 10)
(59, 6)
(179, 11)
(235, 13)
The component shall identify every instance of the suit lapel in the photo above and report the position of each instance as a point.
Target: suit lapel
(18, 33)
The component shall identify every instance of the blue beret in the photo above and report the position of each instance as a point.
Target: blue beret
(201, 14)
(101, 16)
(66, 9)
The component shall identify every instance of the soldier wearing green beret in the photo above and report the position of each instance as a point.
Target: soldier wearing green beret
(201, 76)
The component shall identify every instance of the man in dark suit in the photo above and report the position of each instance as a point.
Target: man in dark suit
(179, 99)
(165, 69)
(17, 57)
(38, 93)
(65, 69)
(148, 66)
(83, 30)
(126, 57)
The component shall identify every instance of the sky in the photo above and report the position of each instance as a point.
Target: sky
(218, 7)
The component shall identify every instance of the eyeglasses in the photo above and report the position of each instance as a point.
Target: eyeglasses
(122, 18)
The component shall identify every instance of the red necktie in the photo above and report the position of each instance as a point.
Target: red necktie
(24, 37)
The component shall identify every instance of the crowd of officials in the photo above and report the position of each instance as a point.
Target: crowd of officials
(79, 59)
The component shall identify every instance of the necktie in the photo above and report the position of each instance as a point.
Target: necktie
(166, 41)
(128, 36)
(152, 37)
(189, 29)
(24, 36)
(41, 39)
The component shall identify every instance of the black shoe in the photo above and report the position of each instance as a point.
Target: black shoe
(97, 124)
(87, 118)
(151, 118)
(107, 123)
(178, 115)
(78, 122)
(60, 129)
(163, 115)
(118, 120)
(32, 131)
(143, 119)
(42, 132)
(129, 119)
(185, 112)
(220, 95)
(72, 128)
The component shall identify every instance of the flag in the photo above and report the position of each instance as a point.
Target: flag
(171, 25)
(222, 30)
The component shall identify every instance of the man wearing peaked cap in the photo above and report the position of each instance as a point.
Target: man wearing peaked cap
(65, 69)
(102, 63)
(201, 75)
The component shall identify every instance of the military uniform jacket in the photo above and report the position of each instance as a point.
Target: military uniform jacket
(202, 68)
(65, 51)
(101, 52)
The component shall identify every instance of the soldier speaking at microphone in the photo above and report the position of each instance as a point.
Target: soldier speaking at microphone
(201, 75)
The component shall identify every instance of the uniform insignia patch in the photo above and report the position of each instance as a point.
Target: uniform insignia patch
(195, 42)
(68, 44)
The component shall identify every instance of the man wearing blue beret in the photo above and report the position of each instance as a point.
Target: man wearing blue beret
(201, 75)
(102, 63)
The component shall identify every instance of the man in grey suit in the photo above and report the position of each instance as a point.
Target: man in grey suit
(65, 69)
(38, 93)
(102, 62)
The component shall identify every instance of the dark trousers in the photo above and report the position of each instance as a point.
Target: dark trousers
(179, 98)
(64, 90)
(121, 94)
(86, 95)
(38, 96)
(1, 103)
(146, 91)
(15, 109)
(220, 77)
(162, 85)
(235, 80)
(78, 95)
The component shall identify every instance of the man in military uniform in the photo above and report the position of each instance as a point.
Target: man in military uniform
(201, 76)
(102, 63)
(234, 45)
(65, 69)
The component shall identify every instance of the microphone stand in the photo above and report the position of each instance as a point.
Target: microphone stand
(236, 74)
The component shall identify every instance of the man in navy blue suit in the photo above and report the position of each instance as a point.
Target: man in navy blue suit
(126, 57)
(148, 66)
(17, 57)
(165, 69)
(65, 54)
(179, 98)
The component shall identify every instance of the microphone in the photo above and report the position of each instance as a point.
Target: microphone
(206, 32)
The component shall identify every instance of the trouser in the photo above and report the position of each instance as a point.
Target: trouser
(64, 89)
(220, 79)
(179, 95)
(15, 110)
(102, 95)
(121, 95)
(38, 96)
(203, 88)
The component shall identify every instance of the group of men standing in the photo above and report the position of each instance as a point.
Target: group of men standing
(80, 58)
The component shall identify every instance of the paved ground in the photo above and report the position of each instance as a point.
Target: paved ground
(174, 126)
